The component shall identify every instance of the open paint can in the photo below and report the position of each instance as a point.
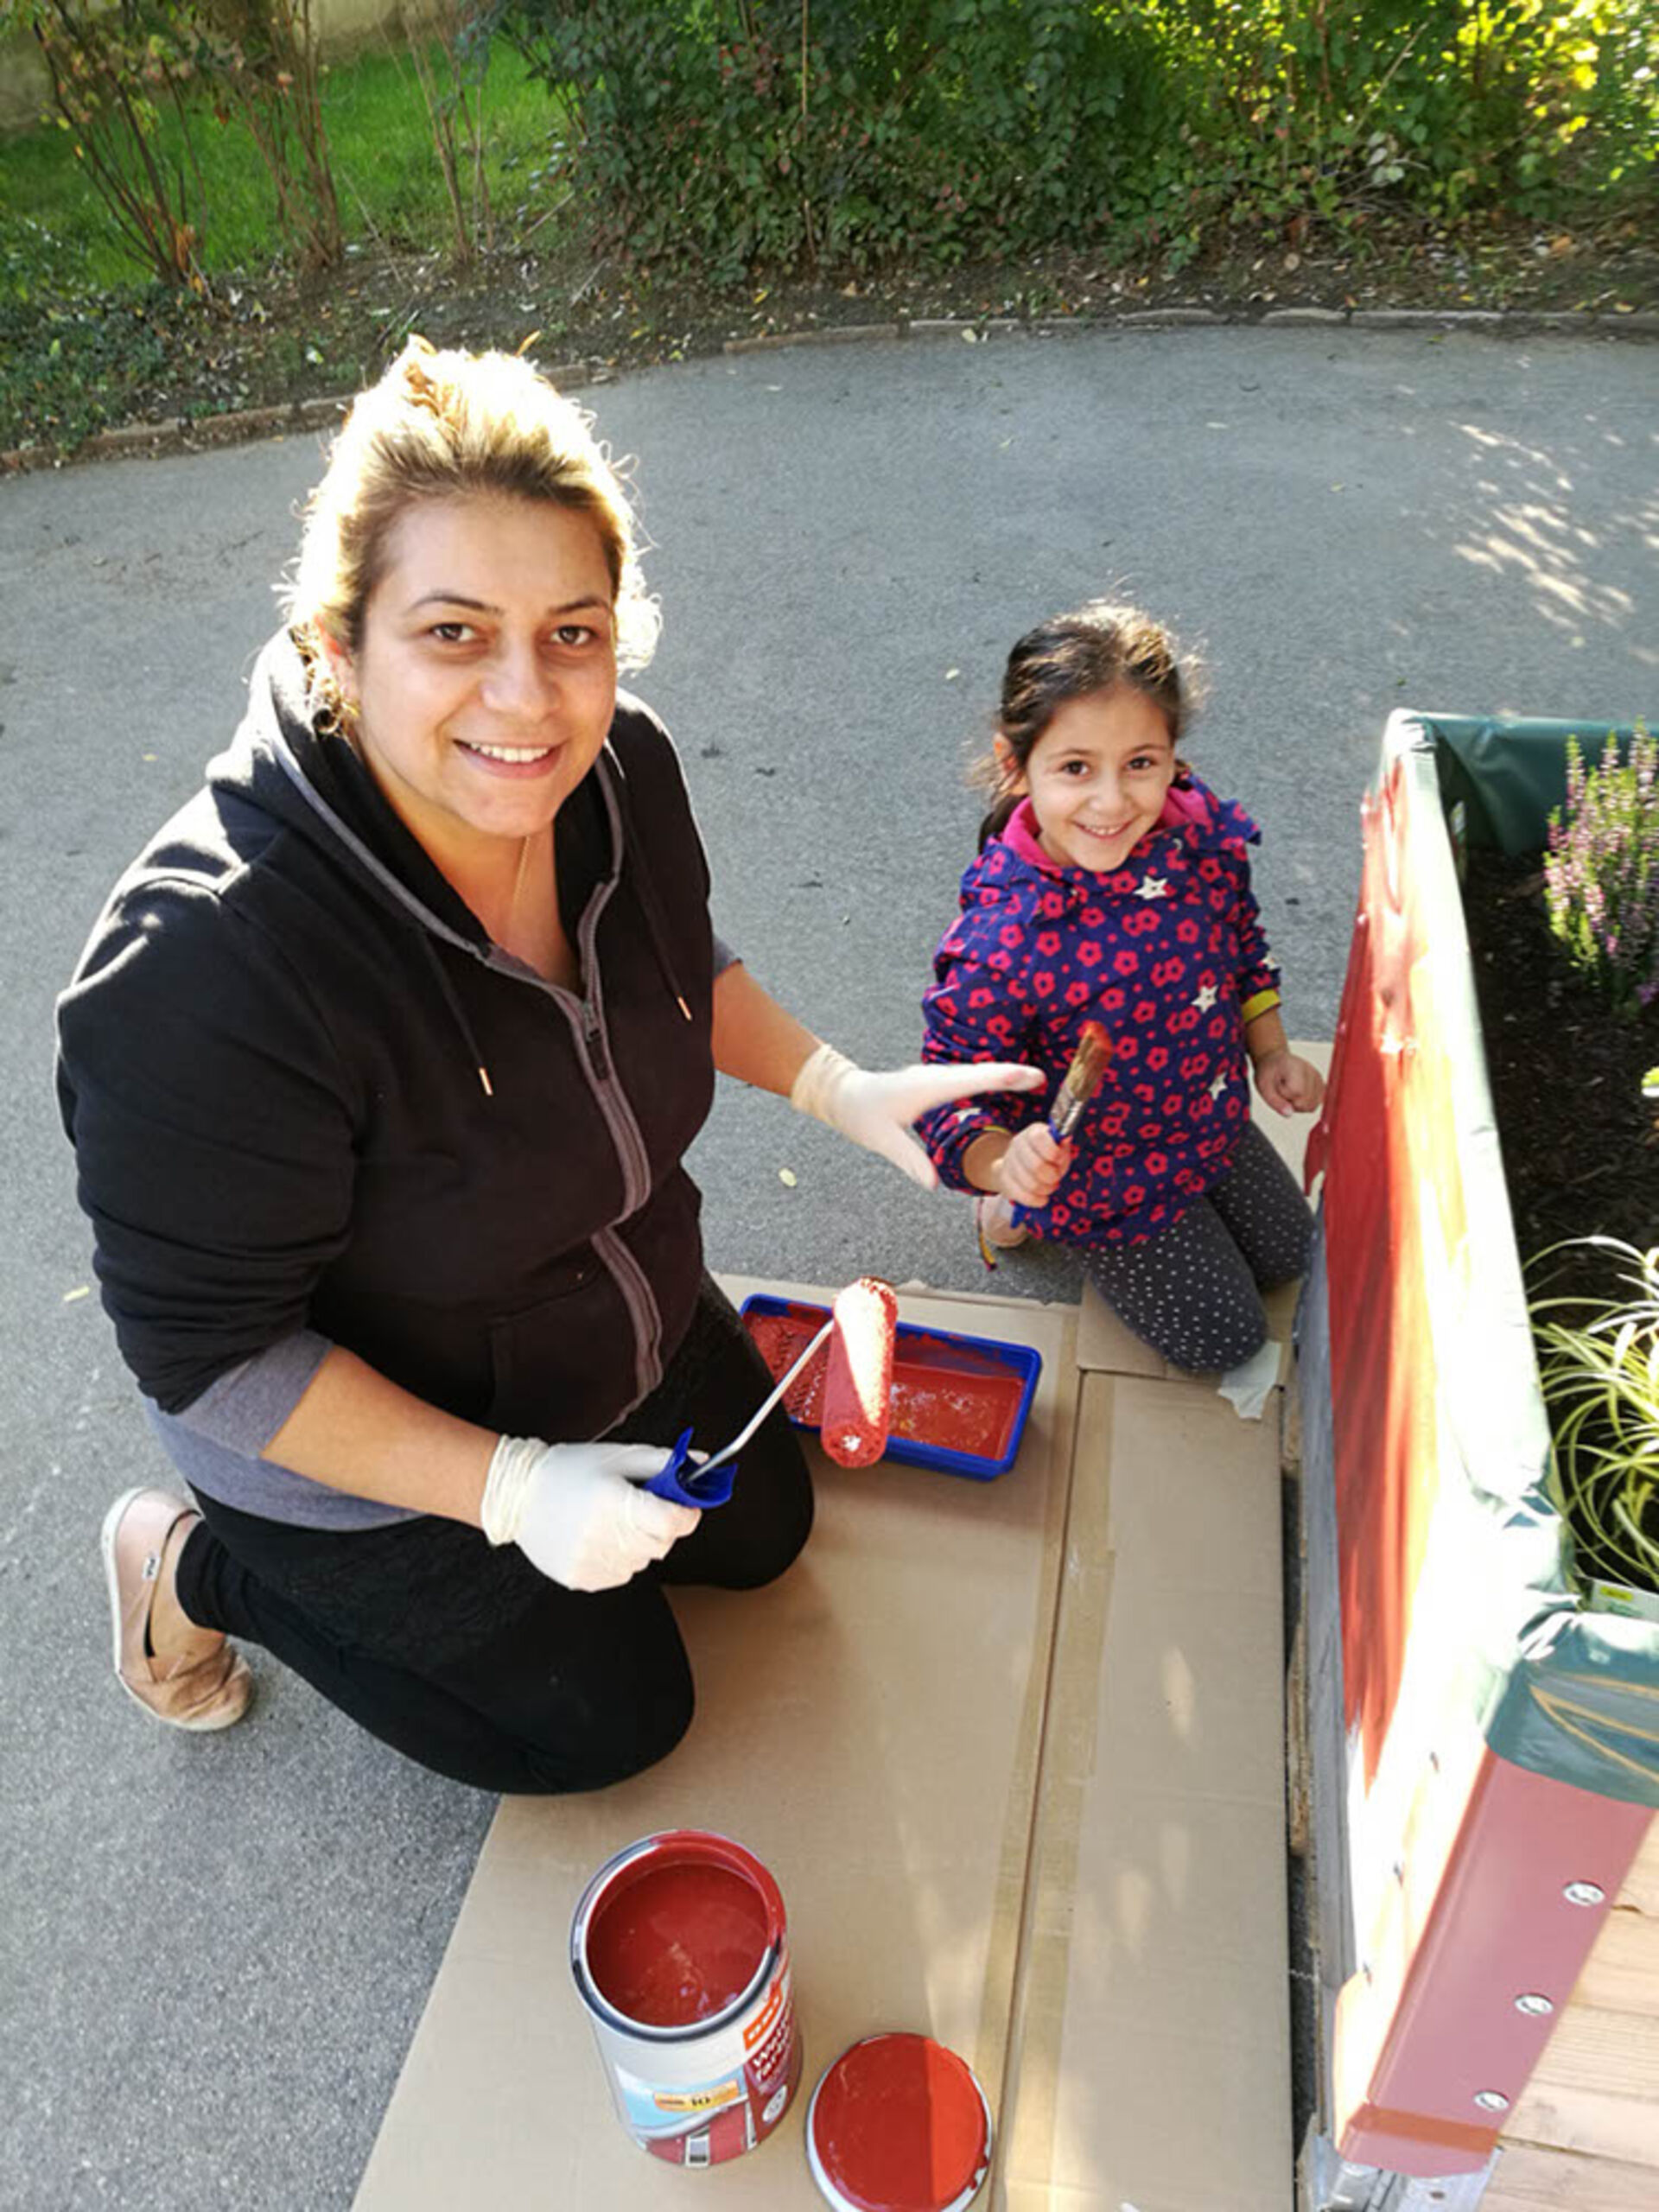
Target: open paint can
(899, 2124)
(681, 1958)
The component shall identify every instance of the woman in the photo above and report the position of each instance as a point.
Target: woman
(380, 1067)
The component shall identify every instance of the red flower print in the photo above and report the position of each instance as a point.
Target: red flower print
(1157, 1162)
(1123, 963)
(1157, 1057)
(980, 997)
(1048, 944)
(1111, 998)
(1077, 994)
(1051, 906)
(1145, 1011)
(1091, 918)
(1210, 868)
(1089, 956)
(1135, 1195)
(1187, 930)
(1009, 934)
(1043, 982)
(1166, 972)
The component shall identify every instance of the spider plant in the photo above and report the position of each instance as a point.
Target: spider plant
(1599, 1364)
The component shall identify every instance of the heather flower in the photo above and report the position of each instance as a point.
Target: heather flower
(1601, 870)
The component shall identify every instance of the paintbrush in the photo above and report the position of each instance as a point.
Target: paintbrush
(1082, 1080)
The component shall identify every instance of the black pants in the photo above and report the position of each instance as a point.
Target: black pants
(468, 1659)
(1193, 1291)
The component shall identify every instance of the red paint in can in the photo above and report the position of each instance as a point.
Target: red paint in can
(680, 1955)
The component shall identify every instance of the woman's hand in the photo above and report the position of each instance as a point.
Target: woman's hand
(576, 1512)
(876, 1110)
(1290, 1085)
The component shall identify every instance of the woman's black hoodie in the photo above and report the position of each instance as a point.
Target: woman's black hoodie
(311, 1101)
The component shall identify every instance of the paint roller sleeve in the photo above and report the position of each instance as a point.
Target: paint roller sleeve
(858, 1380)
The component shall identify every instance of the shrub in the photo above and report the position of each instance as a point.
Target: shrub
(723, 135)
(1599, 1365)
(1601, 870)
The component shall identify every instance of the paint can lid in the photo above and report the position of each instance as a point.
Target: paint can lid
(899, 2124)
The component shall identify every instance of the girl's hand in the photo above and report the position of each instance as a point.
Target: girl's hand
(1032, 1164)
(1290, 1085)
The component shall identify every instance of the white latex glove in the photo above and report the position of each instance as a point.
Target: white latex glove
(876, 1110)
(574, 1511)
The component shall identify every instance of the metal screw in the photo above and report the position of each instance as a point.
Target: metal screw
(1584, 1893)
(1534, 2003)
(1491, 2100)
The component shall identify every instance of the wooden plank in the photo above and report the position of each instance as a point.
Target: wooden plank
(1535, 2178)
(1596, 2088)
(1641, 1890)
(1622, 1973)
(1616, 2054)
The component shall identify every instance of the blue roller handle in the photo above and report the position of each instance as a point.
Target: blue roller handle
(684, 1483)
(711, 1484)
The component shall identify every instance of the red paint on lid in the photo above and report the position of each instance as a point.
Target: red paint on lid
(899, 2124)
(678, 1942)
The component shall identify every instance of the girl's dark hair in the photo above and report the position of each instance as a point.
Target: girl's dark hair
(1097, 648)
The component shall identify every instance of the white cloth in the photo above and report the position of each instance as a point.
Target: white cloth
(1246, 1387)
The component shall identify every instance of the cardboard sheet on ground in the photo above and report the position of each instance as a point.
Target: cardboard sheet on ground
(1150, 2054)
(870, 1727)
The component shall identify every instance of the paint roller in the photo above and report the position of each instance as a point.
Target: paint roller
(858, 1377)
(857, 1398)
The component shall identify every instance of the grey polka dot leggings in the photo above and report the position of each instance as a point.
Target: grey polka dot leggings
(1193, 1292)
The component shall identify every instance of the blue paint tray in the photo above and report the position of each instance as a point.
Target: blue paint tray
(959, 1402)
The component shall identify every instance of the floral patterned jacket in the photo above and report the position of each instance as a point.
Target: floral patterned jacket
(1166, 953)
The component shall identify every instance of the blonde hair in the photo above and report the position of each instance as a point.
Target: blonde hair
(445, 426)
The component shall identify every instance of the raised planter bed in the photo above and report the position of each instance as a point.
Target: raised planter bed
(1484, 1745)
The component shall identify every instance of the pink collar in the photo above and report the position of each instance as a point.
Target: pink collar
(1182, 805)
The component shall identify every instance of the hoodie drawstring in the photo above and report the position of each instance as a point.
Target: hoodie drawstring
(452, 999)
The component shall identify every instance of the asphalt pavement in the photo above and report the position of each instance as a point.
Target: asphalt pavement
(213, 1951)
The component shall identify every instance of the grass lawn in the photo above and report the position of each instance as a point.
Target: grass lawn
(59, 240)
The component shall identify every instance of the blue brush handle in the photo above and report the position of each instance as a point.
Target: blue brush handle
(684, 1483)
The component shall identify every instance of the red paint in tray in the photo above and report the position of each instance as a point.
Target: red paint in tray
(951, 1395)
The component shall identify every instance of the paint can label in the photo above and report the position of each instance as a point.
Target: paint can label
(701, 2123)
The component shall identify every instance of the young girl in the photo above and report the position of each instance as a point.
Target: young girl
(1111, 886)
